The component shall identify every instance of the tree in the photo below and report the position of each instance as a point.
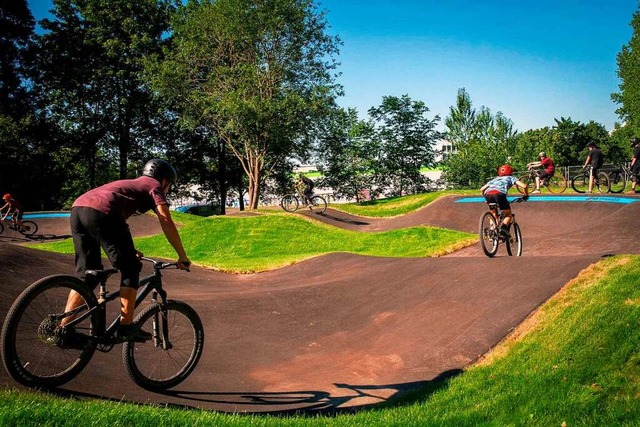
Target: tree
(481, 142)
(91, 61)
(347, 152)
(255, 72)
(406, 139)
(628, 98)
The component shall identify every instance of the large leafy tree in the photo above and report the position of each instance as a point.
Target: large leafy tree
(90, 56)
(347, 153)
(481, 140)
(628, 98)
(406, 138)
(257, 73)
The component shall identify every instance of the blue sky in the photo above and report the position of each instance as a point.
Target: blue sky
(531, 60)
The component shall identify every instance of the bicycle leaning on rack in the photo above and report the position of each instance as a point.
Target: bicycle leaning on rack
(489, 231)
(27, 228)
(37, 351)
(580, 182)
(555, 184)
(291, 202)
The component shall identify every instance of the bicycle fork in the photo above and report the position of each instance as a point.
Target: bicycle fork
(161, 325)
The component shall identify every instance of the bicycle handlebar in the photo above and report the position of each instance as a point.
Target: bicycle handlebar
(161, 265)
(517, 200)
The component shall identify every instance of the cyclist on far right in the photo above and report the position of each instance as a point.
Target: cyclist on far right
(549, 169)
(635, 164)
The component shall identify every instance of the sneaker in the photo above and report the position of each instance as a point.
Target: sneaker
(631, 192)
(132, 333)
(72, 339)
(535, 192)
(504, 232)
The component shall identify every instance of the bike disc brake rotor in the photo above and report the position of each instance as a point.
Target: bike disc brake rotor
(48, 331)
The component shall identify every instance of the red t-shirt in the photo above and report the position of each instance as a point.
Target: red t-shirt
(124, 197)
(548, 165)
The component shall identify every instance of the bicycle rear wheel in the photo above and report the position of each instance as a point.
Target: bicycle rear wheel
(557, 184)
(514, 242)
(580, 183)
(601, 183)
(33, 349)
(527, 180)
(289, 203)
(318, 204)
(617, 181)
(173, 353)
(28, 228)
(489, 234)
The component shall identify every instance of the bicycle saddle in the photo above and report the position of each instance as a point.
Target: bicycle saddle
(101, 274)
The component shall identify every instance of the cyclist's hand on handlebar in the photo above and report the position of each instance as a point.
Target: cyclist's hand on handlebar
(184, 263)
(139, 254)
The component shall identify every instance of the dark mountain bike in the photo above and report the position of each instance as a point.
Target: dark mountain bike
(489, 231)
(27, 228)
(37, 351)
(292, 202)
(580, 182)
(618, 178)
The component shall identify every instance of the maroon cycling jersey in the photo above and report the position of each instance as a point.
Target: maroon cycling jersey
(124, 197)
(13, 206)
(548, 165)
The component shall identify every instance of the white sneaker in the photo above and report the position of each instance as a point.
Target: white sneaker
(535, 192)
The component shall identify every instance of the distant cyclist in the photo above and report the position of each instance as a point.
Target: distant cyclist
(14, 208)
(495, 191)
(305, 185)
(595, 159)
(635, 164)
(548, 171)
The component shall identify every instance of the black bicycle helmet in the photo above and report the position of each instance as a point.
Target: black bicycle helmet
(634, 141)
(160, 169)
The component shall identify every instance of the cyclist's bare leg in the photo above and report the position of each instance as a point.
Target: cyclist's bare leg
(74, 300)
(507, 217)
(127, 304)
(591, 177)
(537, 183)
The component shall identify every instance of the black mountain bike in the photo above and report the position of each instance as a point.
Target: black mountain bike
(580, 182)
(618, 178)
(291, 202)
(37, 350)
(489, 231)
(27, 228)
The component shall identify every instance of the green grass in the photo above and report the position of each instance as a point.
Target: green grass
(576, 361)
(273, 240)
(395, 206)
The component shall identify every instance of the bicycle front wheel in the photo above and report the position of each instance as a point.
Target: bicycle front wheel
(289, 203)
(34, 351)
(580, 183)
(527, 180)
(557, 184)
(514, 242)
(617, 182)
(489, 234)
(318, 204)
(173, 353)
(28, 228)
(601, 182)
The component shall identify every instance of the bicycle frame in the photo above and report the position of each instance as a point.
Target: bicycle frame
(148, 284)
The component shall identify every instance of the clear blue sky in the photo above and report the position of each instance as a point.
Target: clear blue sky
(531, 60)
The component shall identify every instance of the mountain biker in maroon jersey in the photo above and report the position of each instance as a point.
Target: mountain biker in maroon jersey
(495, 191)
(14, 208)
(548, 171)
(635, 164)
(99, 220)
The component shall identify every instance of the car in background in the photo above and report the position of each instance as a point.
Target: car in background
(200, 210)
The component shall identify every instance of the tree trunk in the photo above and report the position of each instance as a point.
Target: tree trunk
(222, 175)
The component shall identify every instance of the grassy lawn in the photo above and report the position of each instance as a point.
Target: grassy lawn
(273, 240)
(575, 361)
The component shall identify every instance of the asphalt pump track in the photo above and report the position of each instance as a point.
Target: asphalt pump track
(341, 332)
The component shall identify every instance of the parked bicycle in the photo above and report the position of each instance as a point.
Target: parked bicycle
(555, 184)
(291, 202)
(580, 182)
(489, 231)
(41, 351)
(27, 228)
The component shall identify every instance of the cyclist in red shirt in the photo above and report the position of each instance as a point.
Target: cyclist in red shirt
(549, 169)
(13, 207)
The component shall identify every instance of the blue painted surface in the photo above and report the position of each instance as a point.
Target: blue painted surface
(37, 215)
(582, 199)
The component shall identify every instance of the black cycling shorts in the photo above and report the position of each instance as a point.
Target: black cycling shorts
(93, 230)
(500, 199)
